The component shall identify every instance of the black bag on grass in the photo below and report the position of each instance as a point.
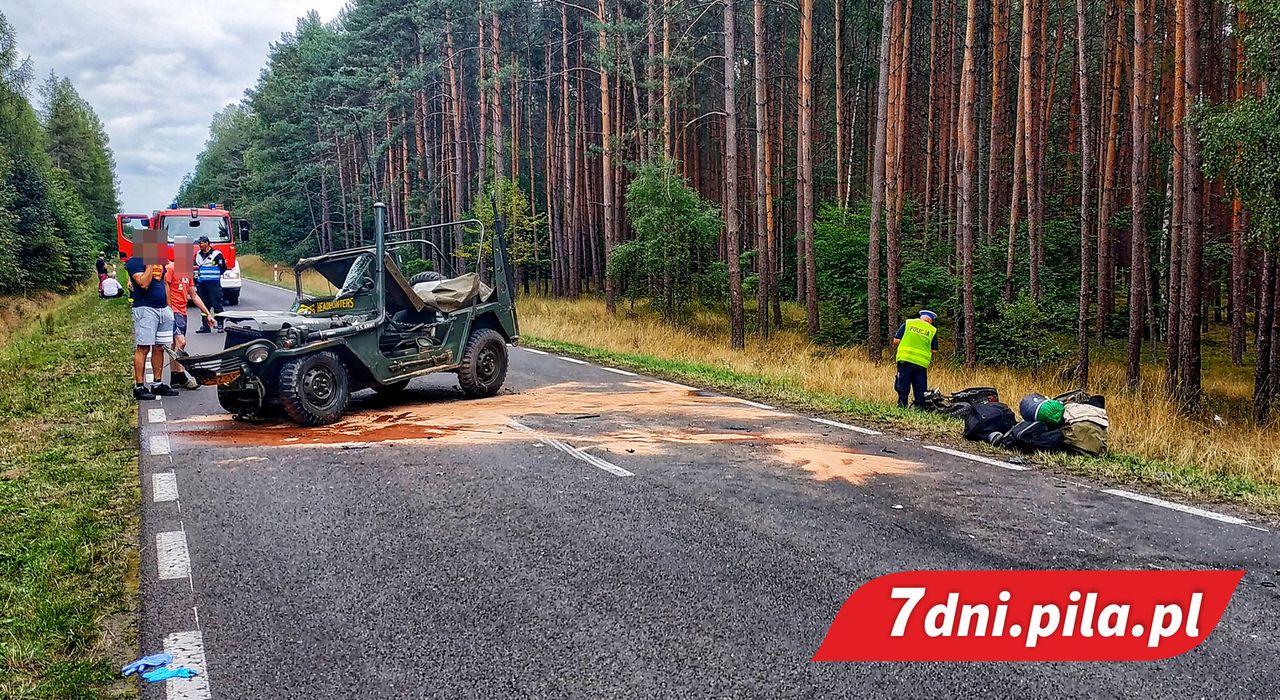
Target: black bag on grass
(987, 418)
(1033, 436)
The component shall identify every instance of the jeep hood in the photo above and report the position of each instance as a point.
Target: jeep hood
(275, 321)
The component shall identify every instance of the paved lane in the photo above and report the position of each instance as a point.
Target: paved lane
(446, 548)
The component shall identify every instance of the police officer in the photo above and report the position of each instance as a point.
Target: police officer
(210, 264)
(917, 343)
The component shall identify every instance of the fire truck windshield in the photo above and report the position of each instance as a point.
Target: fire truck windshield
(217, 228)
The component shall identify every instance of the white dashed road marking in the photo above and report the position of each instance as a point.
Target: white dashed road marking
(155, 415)
(536, 352)
(188, 650)
(846, 426)
(1192, 510)
(574, 452)
(978, 458)
(574, 360)
(623, 372)
(674, 384)
(164, 487)
(171, 555)
(158, 444)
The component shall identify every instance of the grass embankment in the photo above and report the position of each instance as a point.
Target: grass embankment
(259, 270)
(1151, 441)
(68, 502)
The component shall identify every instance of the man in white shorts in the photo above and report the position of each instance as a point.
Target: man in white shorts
(152, 317)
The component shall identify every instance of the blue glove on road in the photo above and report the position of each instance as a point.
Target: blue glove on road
(146, 662)
(164, 674)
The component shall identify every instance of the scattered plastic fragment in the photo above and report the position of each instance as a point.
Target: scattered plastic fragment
(897, 507)
(145, 663)
(164, 674)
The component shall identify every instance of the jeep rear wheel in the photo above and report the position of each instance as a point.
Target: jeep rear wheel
(484, 363)
(315, 389)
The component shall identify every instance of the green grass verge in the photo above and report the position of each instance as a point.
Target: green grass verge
(69, 503)
(1189, 481)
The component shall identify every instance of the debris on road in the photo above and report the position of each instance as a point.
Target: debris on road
(164, 674)
(145, 663)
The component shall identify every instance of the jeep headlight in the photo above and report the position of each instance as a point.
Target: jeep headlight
(257, 354)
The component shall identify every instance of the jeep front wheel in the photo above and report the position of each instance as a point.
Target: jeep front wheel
(315, 389)
(484, 363)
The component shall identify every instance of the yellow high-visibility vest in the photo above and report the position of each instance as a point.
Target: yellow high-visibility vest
(916, 345)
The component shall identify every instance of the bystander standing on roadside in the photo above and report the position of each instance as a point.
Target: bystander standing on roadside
(210, 264)
(101, 264)
(182, 292)
(152, 317)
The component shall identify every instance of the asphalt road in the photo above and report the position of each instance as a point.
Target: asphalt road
(589, 533)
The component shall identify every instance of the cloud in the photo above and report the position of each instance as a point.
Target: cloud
(156, 71)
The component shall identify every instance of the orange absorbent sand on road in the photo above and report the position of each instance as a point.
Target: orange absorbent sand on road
(657, 417)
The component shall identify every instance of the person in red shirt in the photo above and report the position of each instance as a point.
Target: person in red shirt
(181, 291)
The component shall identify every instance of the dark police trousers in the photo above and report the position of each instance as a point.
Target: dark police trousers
(211, 294)
(911, 377)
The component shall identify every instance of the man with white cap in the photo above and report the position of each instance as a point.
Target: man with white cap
(917, 343)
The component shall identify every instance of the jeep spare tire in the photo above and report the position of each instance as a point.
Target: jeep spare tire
(425, 276)
(315, 389)
(484, 363)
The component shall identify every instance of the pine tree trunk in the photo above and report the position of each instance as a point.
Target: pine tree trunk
(499, 140)
(999, 111)
(839, 98)
(805, 179)
(1028, 108)
(1140, 116)
(733, 236)
(1106, 204)
(875, 342)
(1086, 174)
(606, 134)
(893, 232)
(1173, 355)
(764, 261)
(1193, 217)
(968, 137)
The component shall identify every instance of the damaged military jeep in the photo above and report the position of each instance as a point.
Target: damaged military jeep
(375, 330)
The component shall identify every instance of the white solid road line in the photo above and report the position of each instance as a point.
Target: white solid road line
(164, 487)
(158, 444)
(573, 451)
(1192, 510)
(536, 352)
(172, 558)
(574, 360)
(674, 384)
(623, 372)
(754, 404)
(978, 458)
(846, 426)
(155, 415)
(188, 650)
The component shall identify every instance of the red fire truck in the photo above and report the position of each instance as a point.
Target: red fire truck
(187, 224)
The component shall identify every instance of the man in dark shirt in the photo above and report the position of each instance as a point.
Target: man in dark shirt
(101, 264)
(152, 317)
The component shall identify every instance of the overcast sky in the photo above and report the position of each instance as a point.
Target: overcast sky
(156, 71)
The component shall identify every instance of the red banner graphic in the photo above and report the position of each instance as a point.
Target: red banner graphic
(1028, 616)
